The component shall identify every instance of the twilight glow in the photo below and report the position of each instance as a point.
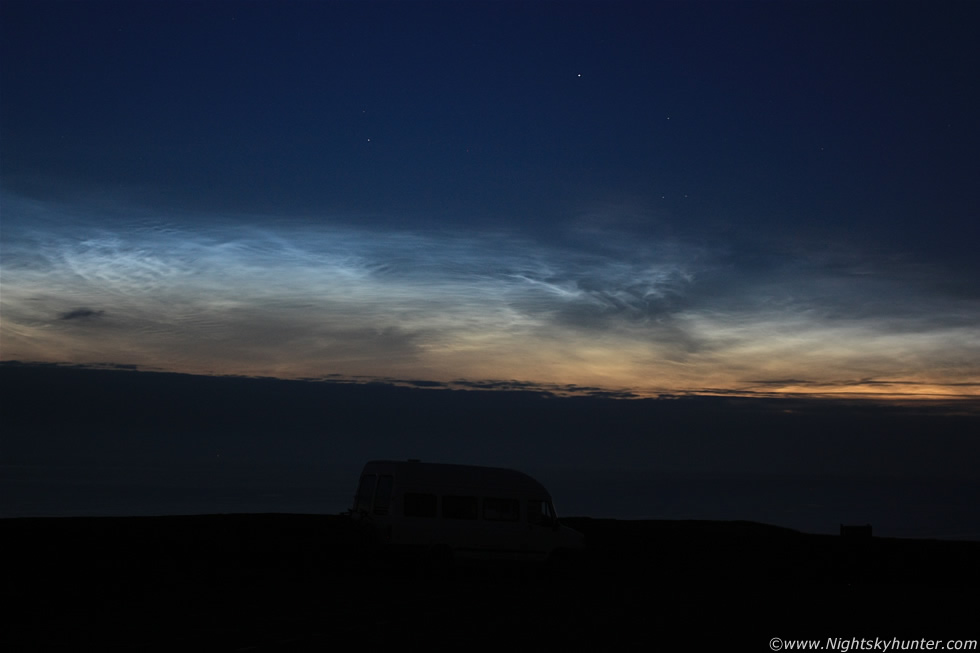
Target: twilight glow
(313, 298)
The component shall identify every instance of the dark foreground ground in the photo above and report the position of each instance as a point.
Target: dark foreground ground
(303, 582)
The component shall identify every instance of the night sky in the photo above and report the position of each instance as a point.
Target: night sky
(751, 198)
(677, 260)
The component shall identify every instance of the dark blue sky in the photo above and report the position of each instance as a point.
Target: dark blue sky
(688, 197)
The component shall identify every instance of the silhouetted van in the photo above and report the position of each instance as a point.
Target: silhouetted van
(461, 511)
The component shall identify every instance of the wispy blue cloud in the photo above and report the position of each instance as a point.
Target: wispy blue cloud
(605, 306)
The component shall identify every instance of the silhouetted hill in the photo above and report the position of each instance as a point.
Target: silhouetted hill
(299, 582)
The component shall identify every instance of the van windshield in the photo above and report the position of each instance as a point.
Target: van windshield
(365, 493)
(541, 513)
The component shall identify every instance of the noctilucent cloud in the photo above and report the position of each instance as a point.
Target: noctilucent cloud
(755, 198)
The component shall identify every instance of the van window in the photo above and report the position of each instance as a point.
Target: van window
(365, 493)
(459, 507)
(495, 509)
(540, 512)
(420, 505)
(382, 497)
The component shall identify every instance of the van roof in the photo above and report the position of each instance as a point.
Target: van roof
(464, 477)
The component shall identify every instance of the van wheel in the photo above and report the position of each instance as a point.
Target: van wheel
(440, 561)
(559, 563)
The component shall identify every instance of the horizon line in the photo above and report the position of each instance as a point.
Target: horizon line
(574, 390)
